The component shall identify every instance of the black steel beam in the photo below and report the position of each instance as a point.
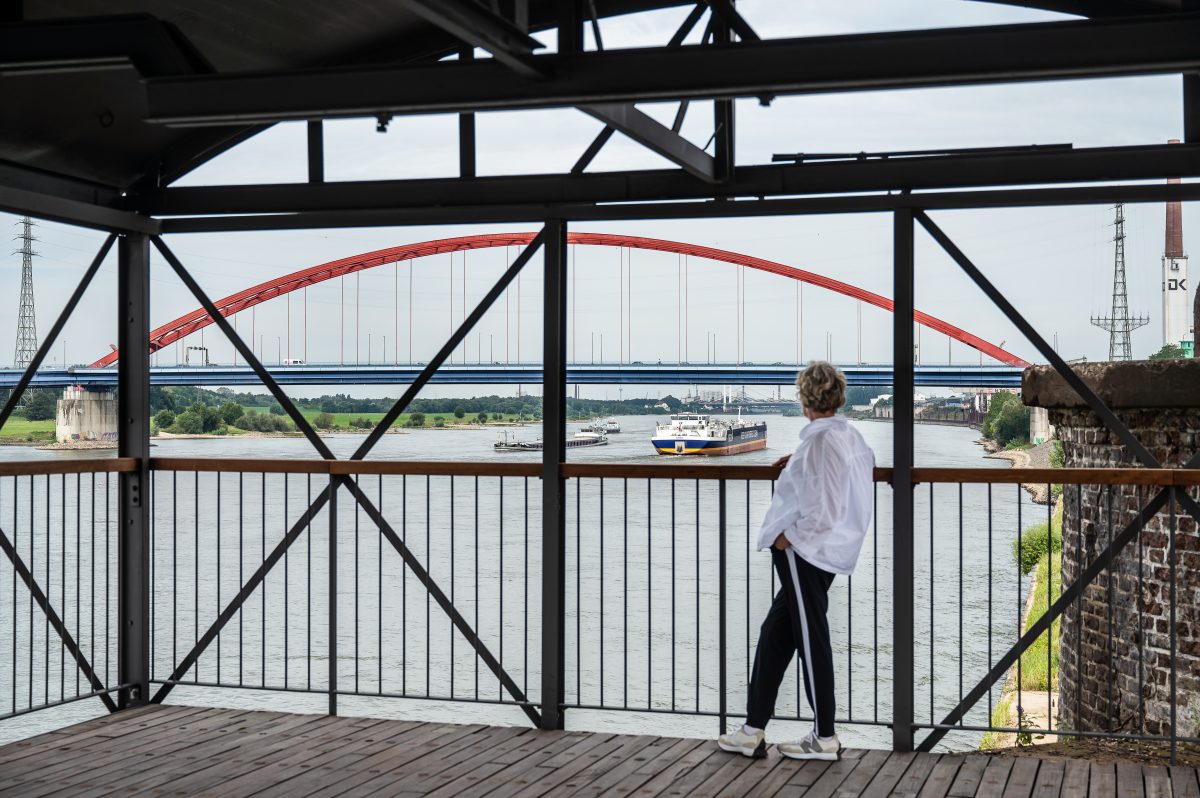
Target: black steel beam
(871, 203)
(133, 440)
(316, 151)
(478, 26)
(902, 484)
(152, 46)
(893, 60)
(733, 20)
(1150, 162)
(655, 136)
(70, 211)
(554, 452)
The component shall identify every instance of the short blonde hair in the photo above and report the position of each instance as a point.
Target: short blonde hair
(821, 386)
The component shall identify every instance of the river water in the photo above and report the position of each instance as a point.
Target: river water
(643, 589)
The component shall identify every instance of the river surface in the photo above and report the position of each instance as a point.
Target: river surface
(643, 586)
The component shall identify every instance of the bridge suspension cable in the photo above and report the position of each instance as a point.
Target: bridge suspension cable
(177, 329)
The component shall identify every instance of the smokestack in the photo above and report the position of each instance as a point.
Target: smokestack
(1174, 242)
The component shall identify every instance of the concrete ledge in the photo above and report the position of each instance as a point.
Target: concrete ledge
(1127, 384)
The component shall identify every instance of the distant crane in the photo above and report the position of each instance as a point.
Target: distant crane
(1119, 323)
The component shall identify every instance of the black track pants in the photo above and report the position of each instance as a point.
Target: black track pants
(795, 622)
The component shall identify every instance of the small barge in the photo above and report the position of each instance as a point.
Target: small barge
(580, 440)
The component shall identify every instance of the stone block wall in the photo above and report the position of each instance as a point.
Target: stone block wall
(1115, 663)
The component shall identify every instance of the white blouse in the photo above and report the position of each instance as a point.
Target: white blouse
(824, 497)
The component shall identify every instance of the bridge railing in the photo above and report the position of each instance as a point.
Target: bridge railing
(438, 595)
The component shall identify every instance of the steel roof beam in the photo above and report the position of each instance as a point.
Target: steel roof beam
(910, 59)
(479, 27)
(1154, 162)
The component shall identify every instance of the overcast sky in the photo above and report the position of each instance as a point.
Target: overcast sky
(1055, 264)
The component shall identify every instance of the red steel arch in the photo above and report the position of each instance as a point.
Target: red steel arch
(235, 303)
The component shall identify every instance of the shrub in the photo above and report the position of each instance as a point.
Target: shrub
(164, 419)
(189, 422)
(262, 422)
(1007, 419)
(481, 418)
(1056, 455)
(438, 421)
(276, 409)
(323, 421)
(40, 405)
(417, 419)
(231, 412)
(460, 411)
(1036, 541)
(362, 422)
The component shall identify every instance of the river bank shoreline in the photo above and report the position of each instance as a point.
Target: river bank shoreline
(1034, 457)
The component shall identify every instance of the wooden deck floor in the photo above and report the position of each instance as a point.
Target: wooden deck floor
(176, 750)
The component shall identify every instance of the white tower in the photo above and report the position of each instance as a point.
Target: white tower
(1177, 307)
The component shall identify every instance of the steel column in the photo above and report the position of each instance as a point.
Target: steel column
(316, 151)
(554, 416)
(133, 512)
(902, 484)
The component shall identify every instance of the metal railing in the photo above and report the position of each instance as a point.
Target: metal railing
(662, 597)
(58, 583)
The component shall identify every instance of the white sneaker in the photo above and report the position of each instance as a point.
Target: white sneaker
(738, 742)
(812, 747)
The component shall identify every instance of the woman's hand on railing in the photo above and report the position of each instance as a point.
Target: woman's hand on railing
(782, 461)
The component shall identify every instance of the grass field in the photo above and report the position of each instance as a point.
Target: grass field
(18, 429)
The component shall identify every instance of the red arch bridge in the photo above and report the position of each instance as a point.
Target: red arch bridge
(1002, 370)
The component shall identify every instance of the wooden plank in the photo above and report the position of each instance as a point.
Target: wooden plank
(258, 764)
(970, 774)
(1049, 779)
(390, 742)
(1076, 778)
(827, 784)
(939, 781)
(786, 772)
(995, 775)
(671, 771)
(384, 769)
(629, 747)
(889, 775)
(1158, 781)
(751, 778)
(735, 767)
(92, 465)
(112, 760)
(557, 770)
(571, 746)
(1022, 777)
(1129, 780)
(510, 768)
(699, 773)
(914, 778)
(472, 763)
(1102, 781)
(635, 770)
(67, 758)
(1184, 782)
(869, 764)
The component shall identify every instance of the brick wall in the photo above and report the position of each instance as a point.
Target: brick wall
(1115, 669)
(1115, 661)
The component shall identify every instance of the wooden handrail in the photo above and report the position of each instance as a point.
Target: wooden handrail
(1163, 477)
(111, 465)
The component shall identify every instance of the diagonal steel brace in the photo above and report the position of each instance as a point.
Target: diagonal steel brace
(39, 596)
(442, 600)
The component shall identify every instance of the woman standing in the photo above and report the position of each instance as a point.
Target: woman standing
(814, 528)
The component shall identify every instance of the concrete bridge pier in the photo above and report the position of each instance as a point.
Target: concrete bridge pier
(86, 414)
